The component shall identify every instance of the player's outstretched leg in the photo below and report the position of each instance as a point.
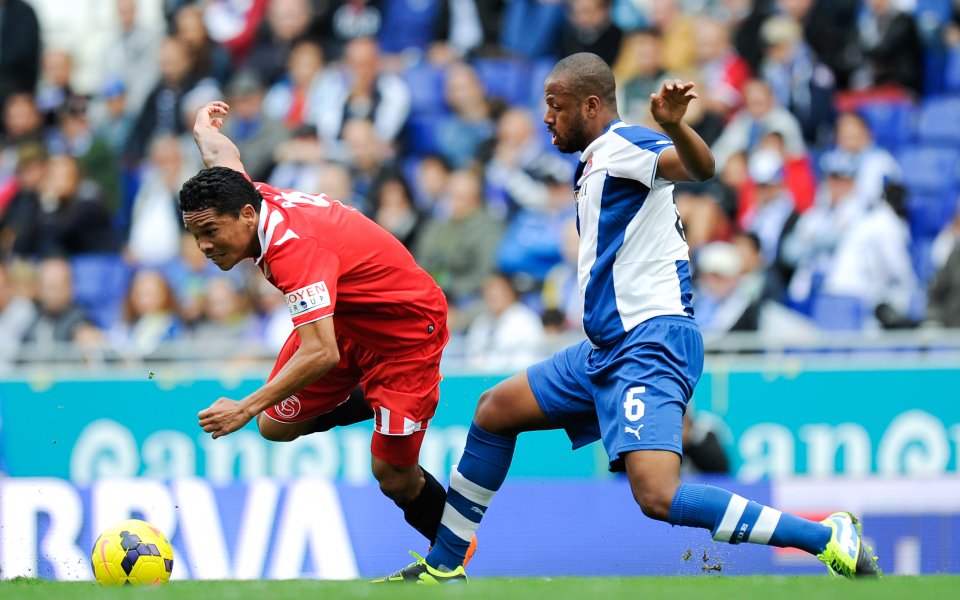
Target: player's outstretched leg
(479, 474)
(654, 479)
(836, 541)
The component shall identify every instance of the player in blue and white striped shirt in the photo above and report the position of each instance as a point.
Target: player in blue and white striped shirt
(629, 383)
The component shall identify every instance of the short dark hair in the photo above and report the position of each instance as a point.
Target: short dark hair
(587, 75)
(220, 188)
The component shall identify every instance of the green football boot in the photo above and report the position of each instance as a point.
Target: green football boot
(846, 554)
(422, 573)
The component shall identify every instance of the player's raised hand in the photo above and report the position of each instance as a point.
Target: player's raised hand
(211, 115)
(670, 104)
(223, 417)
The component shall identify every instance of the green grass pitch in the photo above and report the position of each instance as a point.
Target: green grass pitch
(659, 588)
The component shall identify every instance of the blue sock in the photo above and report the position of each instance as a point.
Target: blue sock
(482, 469)
(735, 519)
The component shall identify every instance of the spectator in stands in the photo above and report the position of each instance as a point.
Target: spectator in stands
(830, 28)
(531, 244)
(873, 261)
(16, 315)
(947, 238)
(19, 215)
(760, 115)
(943, 302)
(464, 29)
(22, 125)
(367, 156)
(226, 317)
(287, 22)
(506, 333)
(891, 46)
(773, 214)
(209, 59)
(639, 71)
(561, 288)
(458, 250)
(98, 160)
(20, 45)
(64, 222)
(257, 135)
(274, 324)
(149, 317)
(155, 223)
(234, 24)
(702, 450)
(54, 90)
(679, 37)
(722, 71)
(590, 28)
(109, 116)
(299, 97)
(430, 183)
(130, 56)
(346, 21)
(189, 274)
(394, 208)
(810, 247)
(472, 116)
(875, 167)
(365, 91)
(798, 80)
(162, 108)
(702, 213)
(721, 301)
(519, 168)
(296, 161)
(59, 319)
(335, 179)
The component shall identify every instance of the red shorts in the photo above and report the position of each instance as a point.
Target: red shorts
(403, 392)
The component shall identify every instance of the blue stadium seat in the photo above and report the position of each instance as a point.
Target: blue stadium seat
(426, 89)
(506, 78)
(929, 212)
(951, 76)
(412, 24)
(939, 121)
(891, 122)
(421, 134)
(929, 169)
(539, 70)
(99, 284)
(838, 313)
(920, 258)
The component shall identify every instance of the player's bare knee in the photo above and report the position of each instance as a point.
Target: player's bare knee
(400, 484)
(276, 432)
(654, 497)
(493, 412)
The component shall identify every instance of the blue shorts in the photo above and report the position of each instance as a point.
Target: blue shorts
(631, 395)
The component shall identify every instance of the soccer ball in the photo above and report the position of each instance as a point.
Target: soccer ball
(132, 552)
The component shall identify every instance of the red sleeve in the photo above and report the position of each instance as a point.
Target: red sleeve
(307, 275)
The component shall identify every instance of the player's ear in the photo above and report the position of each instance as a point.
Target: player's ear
(248, 214)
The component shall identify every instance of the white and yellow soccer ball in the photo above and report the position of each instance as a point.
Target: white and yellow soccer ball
(132, 552)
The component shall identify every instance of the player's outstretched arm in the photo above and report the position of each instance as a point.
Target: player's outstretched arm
(690, 158)
(216, 149)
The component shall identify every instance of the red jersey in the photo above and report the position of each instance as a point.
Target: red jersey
(328, 258)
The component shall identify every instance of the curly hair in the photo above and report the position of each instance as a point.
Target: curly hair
(220, 188)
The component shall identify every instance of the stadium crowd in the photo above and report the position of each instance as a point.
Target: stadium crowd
(835, 125)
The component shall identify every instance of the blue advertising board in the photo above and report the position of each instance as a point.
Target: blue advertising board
(314, 528)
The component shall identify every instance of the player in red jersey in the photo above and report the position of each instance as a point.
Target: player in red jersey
(365, 315)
